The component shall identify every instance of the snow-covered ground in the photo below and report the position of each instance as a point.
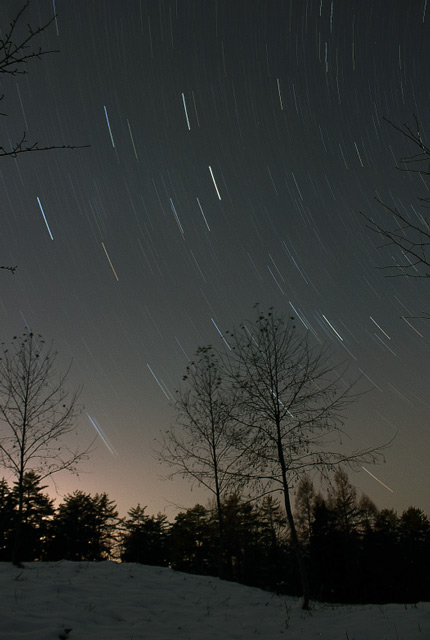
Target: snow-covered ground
(109, 601)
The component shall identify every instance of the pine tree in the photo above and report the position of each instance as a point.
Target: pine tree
(145, 538)
(192, 542)
(241, 528)
(304, 507)
(343, 502)
(85, 528)
(6, 521)
(414, 548)
(37, 512)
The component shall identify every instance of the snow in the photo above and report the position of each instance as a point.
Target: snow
(112, 601)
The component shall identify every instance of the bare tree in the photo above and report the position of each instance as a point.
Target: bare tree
(291, 399)
(17, 50)
(37, 415)
(204, 447)
(410, 232)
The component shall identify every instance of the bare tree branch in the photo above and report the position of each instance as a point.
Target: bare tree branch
(15, 53)
(411, 236)
(21, 146)
(11, 269)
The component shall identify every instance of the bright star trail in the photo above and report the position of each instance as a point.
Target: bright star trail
(377, 479)
(102, 435)
(44, 217)
(215, 184)
(186, 112)
(110, 262)
(233, 146)
(108, 124)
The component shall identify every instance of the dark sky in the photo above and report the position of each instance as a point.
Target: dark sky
(233, 146)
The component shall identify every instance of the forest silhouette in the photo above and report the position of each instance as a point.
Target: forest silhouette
(355, 553)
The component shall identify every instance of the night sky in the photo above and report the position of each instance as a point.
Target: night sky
(233, 145)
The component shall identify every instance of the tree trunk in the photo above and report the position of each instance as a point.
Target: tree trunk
(223, 569)
(294, 537)
(297, 548)
(17, 543)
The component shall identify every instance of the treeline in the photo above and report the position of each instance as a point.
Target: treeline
(353, 551)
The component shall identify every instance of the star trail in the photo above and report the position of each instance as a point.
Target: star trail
(234, 144)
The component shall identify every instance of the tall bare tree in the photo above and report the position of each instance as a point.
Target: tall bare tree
(37, 415)
(291, 399)
(203, 446)
(409, 231)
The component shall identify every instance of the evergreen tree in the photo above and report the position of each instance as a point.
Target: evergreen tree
(368, 513)
(304, 506)
(6, 521)
(414, 547)
(324, 552)
(344, 504)
(145, 538)
(192, 542)
(37, 512)
(272, 522)
(381, 568)
(241, 539)
(278, 570)
(343, 542)
(85, 528)
(387, 526)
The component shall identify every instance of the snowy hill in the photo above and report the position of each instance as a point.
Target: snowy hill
(109, 601)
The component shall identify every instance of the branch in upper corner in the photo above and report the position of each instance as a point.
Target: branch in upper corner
(15, 54)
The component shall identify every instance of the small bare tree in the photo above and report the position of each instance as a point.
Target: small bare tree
(410, 232)
(37, 414)
(204, 448)
(291, 400)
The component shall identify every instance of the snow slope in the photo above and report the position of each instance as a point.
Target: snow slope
(109, 601)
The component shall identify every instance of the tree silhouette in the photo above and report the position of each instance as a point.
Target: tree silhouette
(304, 508)
(204, 448)
(145, 538)
(291, 399)
(7, 516)
(37, 512)
(37, 414)
(84, 528)
(192, 542)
